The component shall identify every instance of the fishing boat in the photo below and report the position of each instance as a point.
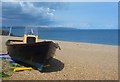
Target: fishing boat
(31, 51)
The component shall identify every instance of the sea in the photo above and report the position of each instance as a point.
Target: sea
(95, 36)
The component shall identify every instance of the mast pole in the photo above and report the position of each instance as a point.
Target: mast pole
(10, 31)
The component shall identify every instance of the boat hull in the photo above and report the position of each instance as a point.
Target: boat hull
(33, 53)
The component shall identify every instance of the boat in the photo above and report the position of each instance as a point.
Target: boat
(31, 51)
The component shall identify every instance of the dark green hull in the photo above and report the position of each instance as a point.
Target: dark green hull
(32, 53)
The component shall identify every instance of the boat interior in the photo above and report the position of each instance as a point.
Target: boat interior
(26, 39)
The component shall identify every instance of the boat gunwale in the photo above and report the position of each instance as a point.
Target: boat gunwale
(9, 44)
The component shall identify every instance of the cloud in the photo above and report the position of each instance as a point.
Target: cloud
(35, 11)
(109, 26)
(28, 13)
(72, 25)
(84, 25)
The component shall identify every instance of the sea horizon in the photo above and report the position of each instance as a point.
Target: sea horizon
(95, 36)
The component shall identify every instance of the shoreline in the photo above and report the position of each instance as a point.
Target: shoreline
(76, 61)
(21, 37)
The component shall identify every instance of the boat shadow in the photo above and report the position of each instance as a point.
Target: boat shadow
(55, 65)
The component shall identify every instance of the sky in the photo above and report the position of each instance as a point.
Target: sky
(80, 15)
